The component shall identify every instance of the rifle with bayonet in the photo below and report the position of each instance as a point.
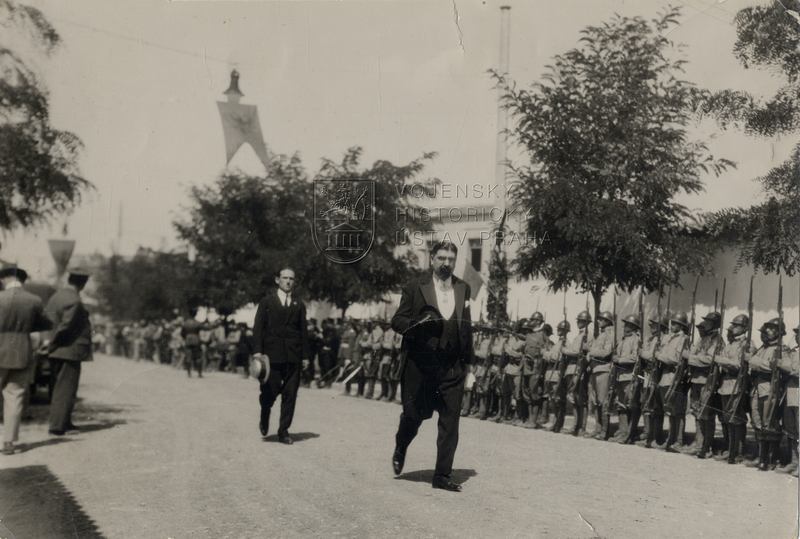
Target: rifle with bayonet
(635, 387)
(776, 382)
(612, 375)
(713, 380)
(560, 395)
(658, 367)
(683, 364)
(740, 387)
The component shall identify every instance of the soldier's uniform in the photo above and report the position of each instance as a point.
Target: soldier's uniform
(387, 351)
(699, 361)
(361, 349)
(575, 371)
(533, 370)
(495, 375)
(790, 366)
(347, 346)
(514, 349)
(599, 356)
(396, 366)
(768, 430)
(556, 379)
(649, 402)
(372, 360)
(729, 361)
(625, 357)
(482, 361)
(669, 355)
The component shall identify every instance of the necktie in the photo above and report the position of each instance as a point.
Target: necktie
(286, 301)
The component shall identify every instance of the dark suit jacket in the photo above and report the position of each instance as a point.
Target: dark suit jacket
(72, 333)
(20, 314)
(280, 332)
(421, 342)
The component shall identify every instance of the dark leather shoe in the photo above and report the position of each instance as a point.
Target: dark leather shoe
(398, 460)
(445, 483)
(263, 427)
(285, 439)
(56, 432)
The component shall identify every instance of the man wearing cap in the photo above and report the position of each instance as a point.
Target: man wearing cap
(556, 387)
(280, 334)
(625, 358)
(699, 358)
(729, 362)
(599, 356)
(573, 352)
(670, 357)
(768, 433)
(434, 318)
(533, 370)
(69, 346)
(650, 405)
(21, 313)
(790, 365)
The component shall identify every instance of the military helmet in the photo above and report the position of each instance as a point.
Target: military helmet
(606, 315)
(741, 320)
(632, 320)
(681, 319)
(584, 315)
(713, 320)
(776, 323)
(563, 325)
(537, 317)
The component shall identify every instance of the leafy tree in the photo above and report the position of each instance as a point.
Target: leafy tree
(151, 285)
(245, 229)
(39, 176)
(606, 135)
(387, 265)
(767, 233)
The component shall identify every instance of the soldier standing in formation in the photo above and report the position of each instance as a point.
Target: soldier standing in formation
(650, 402)
(556, 386)
(574, 372)
(699, 359)
(599, 356)
(533, 371)
(670, 357)
(512, 371)
(733, 356)
(790, 366)
(624, 359)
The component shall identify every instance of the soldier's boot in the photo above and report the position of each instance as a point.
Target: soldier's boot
(682, 431)
(733, 445)
(370, 388)
(624, 428)
(708, 439)
(633, 426)
(505, 402)
(725, 434)
(558, 422)
(764, 456)
(791, 467)
(576, 428)
(649, 432)
(598, 424)
(694, 448)
(672, 437)
(533, 415)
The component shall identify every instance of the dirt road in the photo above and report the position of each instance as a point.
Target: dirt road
(161, 455)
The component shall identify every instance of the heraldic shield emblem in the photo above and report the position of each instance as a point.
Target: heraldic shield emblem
(344, 219)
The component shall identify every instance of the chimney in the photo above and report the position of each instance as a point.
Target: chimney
(501, 152)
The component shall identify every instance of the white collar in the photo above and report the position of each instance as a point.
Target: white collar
(13, 284)
(445, 284)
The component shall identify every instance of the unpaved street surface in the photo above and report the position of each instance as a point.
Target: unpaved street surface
(161, 455)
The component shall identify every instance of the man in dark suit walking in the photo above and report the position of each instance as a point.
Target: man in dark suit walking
(280, 333)
(434, 319)
(21, 313)
(70, 345)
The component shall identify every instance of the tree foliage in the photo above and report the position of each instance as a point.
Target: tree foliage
(39, 175)
(606, 135)
(151, 285)
(768, 233)
(245, 229)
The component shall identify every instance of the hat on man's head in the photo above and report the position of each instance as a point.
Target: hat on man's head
(78, 276)
(12, 270)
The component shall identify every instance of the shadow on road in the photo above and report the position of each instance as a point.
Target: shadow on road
(296, 436)
(34, 503)
(426, 476)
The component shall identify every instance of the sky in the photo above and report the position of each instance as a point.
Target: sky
(138, 81)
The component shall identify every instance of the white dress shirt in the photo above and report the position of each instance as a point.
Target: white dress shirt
(285, 299)
(445, 296)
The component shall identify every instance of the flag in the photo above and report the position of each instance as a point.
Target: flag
(240, 125)
(473, 279)
(61, 250)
